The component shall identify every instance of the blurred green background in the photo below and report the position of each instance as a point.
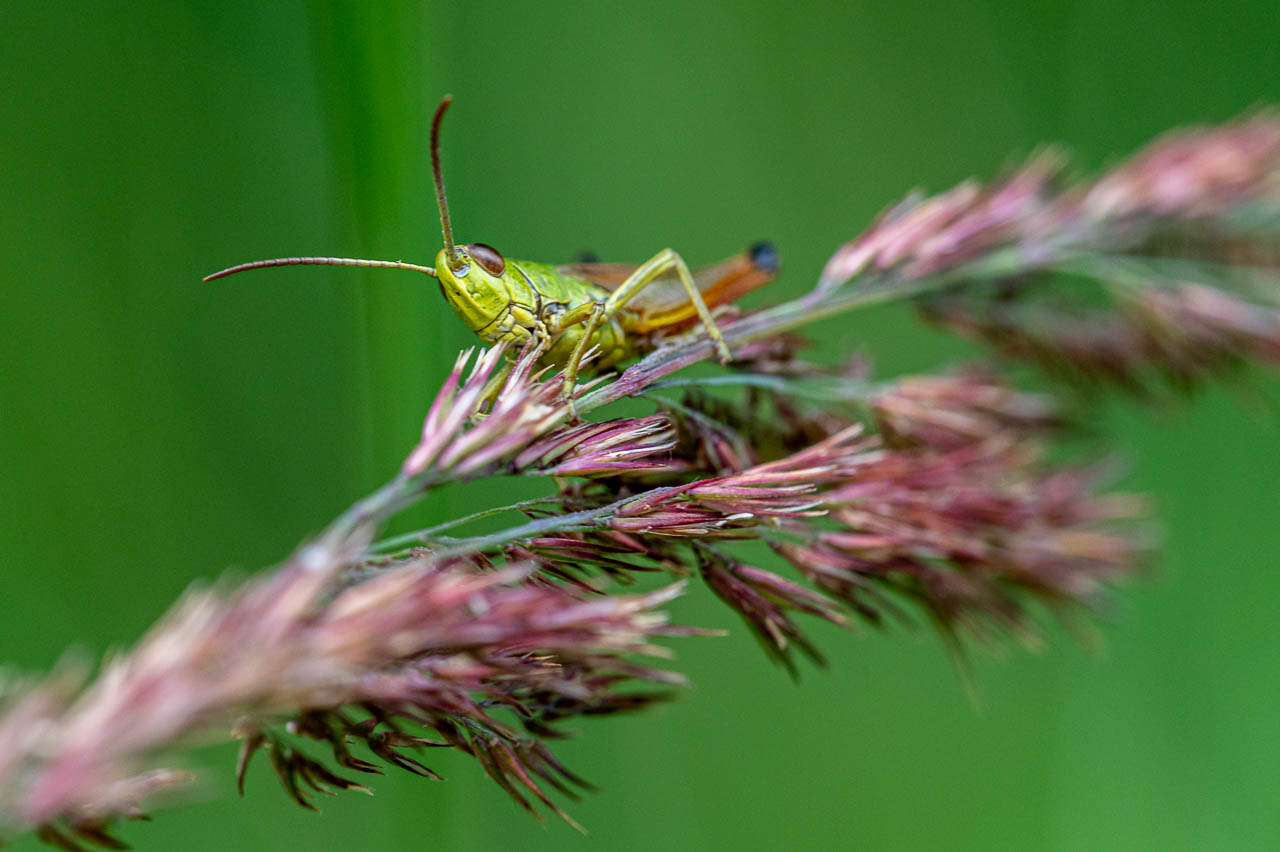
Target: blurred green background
(155, 431)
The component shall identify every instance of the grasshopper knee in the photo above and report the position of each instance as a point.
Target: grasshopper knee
(764, 256)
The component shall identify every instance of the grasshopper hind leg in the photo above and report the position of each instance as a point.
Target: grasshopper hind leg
(764, 256)
(595, 313)
(652, 270)
(695, 297)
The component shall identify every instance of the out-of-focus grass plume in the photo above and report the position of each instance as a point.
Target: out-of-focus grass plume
(1173, 256)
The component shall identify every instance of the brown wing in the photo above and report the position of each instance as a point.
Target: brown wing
(664, 304)
(607, 275)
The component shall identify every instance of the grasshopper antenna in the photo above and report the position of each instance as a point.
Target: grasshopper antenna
(319, 261)
(446, 229)
(451, 251)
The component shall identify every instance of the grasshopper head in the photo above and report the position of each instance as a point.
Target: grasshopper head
(471, 278)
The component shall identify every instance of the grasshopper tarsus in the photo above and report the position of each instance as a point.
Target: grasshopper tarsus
(722, 350)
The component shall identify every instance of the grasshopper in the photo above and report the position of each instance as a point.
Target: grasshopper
(617, 311)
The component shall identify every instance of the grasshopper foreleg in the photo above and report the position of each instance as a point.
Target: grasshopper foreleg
(651, 271)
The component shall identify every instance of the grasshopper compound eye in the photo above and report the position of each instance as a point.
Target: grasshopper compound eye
(488, 258)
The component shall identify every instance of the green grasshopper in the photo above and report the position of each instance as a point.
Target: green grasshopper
(615, 310)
